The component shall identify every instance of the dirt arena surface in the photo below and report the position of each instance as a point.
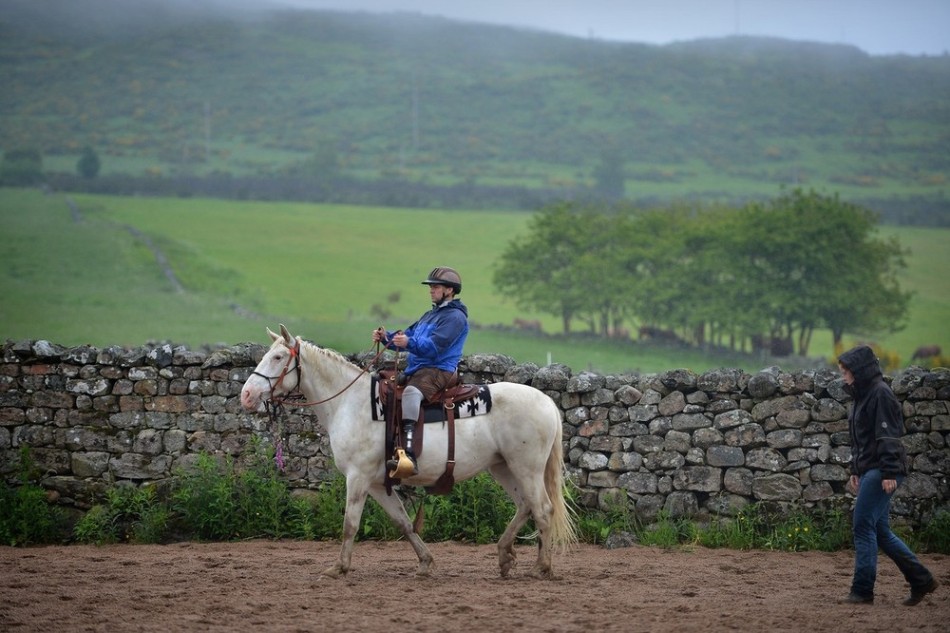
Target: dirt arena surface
(277, 586)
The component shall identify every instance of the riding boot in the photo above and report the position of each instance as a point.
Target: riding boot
(410, 468)
(410, 426)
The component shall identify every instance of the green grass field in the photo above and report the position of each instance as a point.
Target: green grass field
(328, 272)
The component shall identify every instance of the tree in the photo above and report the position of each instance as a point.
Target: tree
(705, 282)
(600, 268)
(863, 293)
(540, 270)
(88, 164)
(811, 261)
(651, 260)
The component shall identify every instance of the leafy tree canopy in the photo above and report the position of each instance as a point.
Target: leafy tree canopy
(88, 164)
(766, 271)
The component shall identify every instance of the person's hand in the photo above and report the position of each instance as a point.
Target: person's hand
(400, 340)
(379, 335)
(889, 485)
(852, 485)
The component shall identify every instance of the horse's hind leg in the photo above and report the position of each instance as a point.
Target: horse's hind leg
(506, 544)
(532, 500)
(397, 512)
(506, 549)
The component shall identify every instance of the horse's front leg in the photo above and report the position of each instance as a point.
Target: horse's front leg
(393, 506)
(355, 500)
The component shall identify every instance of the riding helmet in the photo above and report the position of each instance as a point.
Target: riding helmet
(444, 276)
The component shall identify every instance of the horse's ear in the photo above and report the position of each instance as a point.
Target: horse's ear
(286, 334)
(272, 336)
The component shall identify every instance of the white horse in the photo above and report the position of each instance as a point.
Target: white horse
(518, 442)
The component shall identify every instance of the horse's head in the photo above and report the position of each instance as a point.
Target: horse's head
(277, 375)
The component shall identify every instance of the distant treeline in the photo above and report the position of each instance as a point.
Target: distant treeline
(904, 211)
(341, 190)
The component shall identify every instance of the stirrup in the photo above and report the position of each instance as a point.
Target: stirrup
(402, 466)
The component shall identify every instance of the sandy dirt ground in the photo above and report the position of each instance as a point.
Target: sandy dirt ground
(277, 586)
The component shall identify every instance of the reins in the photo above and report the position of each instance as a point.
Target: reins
(276, 402)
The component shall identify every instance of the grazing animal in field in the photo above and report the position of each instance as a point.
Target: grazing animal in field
(519, 442)
(776, 346)
(528, 326)
(649, 331)
(926, 351)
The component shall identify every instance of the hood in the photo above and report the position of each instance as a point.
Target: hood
(454, 304)
(863, 364)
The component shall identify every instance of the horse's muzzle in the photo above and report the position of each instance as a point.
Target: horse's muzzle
(252, 401)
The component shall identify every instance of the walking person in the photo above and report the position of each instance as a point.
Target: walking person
(434, 343)
(878, 467)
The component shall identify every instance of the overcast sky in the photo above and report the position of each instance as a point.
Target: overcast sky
(878, 27)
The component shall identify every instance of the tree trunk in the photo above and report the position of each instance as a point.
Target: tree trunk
(700, 334)
(566, 321)
(804, 340)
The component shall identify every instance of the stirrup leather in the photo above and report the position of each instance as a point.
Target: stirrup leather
(404, 466)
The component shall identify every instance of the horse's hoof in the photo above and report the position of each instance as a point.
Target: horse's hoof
(425, 568)
(333, 572)
(506, 560)
(542, 573)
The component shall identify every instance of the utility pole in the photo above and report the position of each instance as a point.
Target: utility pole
(415, 113)
(207, 131)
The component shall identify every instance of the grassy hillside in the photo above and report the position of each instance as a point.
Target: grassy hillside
(320, 269)
(427, 100)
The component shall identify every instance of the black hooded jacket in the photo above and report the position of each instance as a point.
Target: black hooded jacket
(875, 423)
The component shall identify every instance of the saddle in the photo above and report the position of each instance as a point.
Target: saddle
(438, 408)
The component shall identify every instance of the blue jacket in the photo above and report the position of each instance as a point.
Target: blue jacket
(437, 338)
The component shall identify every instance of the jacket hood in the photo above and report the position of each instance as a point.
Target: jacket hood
(863, 364)
(455, 304)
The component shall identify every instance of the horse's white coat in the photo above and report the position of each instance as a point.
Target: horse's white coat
(518, 442)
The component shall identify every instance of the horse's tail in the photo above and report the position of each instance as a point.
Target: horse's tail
(563, 528)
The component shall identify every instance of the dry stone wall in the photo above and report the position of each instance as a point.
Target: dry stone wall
(685, 443)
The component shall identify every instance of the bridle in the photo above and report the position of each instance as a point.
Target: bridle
(275, 403)
(274, 382)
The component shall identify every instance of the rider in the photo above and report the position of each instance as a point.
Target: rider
(434, 343)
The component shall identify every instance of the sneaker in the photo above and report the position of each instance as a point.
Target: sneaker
(856, 598)
(918, 594)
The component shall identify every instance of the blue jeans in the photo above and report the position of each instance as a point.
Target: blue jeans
(872, 531)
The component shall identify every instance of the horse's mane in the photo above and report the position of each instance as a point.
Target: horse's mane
(311, 349)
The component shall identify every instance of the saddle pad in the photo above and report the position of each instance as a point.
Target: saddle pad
(479, 404)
